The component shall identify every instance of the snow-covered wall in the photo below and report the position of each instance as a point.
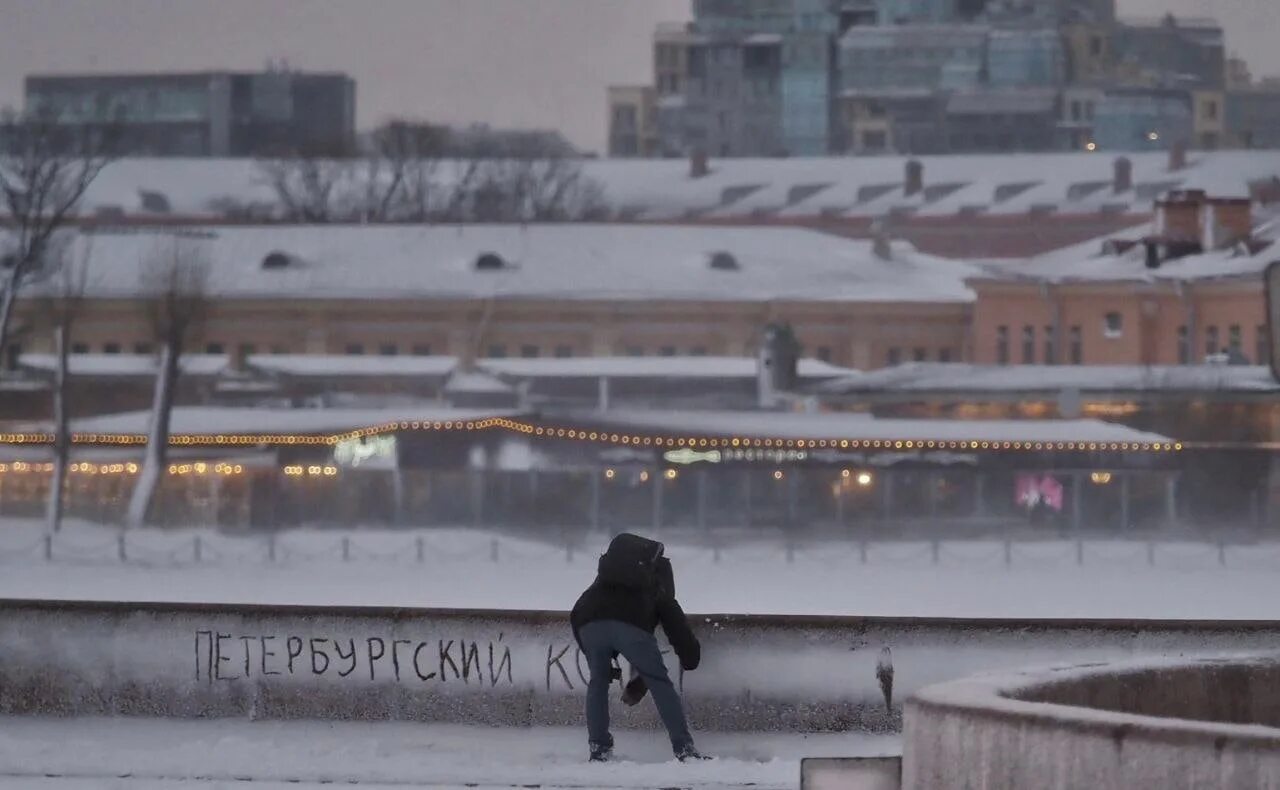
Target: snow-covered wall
(519, 668)
(1167, 723)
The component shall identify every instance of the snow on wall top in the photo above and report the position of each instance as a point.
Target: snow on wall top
(862, 427)
(208, 420)
(662, 189)
(958, 377)
(649, 367)
(567, 261)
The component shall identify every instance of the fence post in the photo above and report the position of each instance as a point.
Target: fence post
(791, 551)
(715, 551)
(1079, 551)
(862, 551)
(1222, 553)
(493, 550)
(346, 549)
(121, 552)
(1008, 552)
(196, 551)
(48, 548)
(271, 547)
(935, 549)
(568, 550)
(1151, 553)
(420, 548)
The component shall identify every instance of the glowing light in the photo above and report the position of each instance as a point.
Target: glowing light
(644, 477)
(671, 474)
(1153, 136)
(845, 473)
(777, 475)
(1100, 478)
(609, 474)
(1091, 147)
(864, 479)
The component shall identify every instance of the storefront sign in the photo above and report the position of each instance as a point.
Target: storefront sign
(371, 452)
(686, 456)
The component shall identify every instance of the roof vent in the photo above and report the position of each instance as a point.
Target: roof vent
(276, 260)
(490, 261)
(154, 202)
(723, 261)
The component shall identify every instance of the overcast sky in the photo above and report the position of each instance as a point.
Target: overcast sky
(528, 63)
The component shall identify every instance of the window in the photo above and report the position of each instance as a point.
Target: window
(919, 355)
(422, 350)
(1028, 345)
(1262, 352)
(1235, 343)
(279, 350)
(564, 352)
(1211, 110)
(1112, 325)
(1002, 345)
(667, 351)
(1050, 353)
(1211, 340)
(1095, 46)
(212, 348)
(944, 355)
(528, 352)
(824, 353)
(1076, 112)
(635, 351)
(874, 141)
(355, 349)
(79, 348)
(1077, 345)
(893, 357)
(247, 350)
(1184, 346)
(388, 349)
(698, 351)
(497, 351)
(142, 348)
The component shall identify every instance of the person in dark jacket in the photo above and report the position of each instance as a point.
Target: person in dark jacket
(634, 593)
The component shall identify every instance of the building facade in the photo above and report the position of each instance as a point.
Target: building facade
(1143, 119)
(633, 121)
(206, 113)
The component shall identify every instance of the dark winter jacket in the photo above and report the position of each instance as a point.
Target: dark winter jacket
(643, 602)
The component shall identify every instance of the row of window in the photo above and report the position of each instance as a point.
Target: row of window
(893, 355)
(1113, 328)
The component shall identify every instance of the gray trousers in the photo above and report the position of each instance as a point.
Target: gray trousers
(600, 641)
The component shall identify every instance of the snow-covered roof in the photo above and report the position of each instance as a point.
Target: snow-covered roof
(649, 367)
(126, 365)
(657, 189)
(336, 365)
(862, 427)
(212, 420)
(475, 382)
(564, 261)
(925, 377)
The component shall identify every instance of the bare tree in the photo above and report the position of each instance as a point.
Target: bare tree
(176, 301)
(400, 171)
(309, 187)
(45, 169)
(62, 305)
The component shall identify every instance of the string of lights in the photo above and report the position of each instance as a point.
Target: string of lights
(630, 438)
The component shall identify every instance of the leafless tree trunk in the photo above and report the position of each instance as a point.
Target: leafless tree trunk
(177, 302)
(63, 306)
(44, 172)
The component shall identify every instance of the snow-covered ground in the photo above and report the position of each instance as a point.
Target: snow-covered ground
(476, 569)
(133, 754)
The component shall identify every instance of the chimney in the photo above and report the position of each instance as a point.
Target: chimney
(881, 246)
(698, 167)
(238, 358)
(777, 364)
(1177, 156)
(1122, 178)
(913, 177)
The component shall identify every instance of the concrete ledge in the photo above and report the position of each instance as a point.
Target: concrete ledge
(516, 668)
(1167, 723)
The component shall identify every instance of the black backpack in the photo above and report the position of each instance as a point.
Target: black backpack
(631, 561)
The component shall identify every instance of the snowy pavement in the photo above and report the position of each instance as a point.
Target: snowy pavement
(142, 754)
(461, 568)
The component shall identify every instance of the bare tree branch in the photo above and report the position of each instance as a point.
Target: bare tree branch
(176, 280)
(63, 305)
(45, 170)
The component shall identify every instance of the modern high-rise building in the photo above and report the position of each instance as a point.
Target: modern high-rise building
(216, 113)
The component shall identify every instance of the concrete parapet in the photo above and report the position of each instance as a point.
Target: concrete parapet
(1168, 723)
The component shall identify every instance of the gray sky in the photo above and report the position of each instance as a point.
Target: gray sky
(529, 63)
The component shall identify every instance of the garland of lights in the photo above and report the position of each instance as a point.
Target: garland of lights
(597, 436)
